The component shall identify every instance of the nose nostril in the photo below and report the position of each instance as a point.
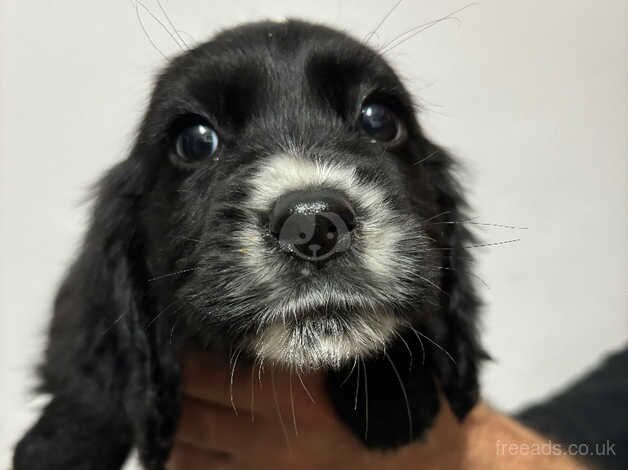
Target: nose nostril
(314, 225)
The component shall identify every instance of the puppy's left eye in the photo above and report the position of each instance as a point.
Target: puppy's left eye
(196, 143)
(380, 122)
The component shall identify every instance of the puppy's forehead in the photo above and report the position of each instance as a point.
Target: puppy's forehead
(247, 66)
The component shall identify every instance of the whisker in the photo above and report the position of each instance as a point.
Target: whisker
(435, 152)
(260, 371)
(484, 283)
(276, 400)
(178, 237)
(190, 37)
(307, 392)
(252, 382)
(505, 242)
(182, 42)
(422, 349)
(164, 310)
(419, 334)
(294, 416)
(174, 325)
(409, 34)
(366, 402)
(139, 4)
(405, 394)
(483, 245)
(433, 284)
(162, 276)
(350, 372)
(115, 322)
(357, 389)
(412, 32)
(233, 367)
(368, 37)
(435, 216)
(146, 34)
(407, 347)
(469, 222)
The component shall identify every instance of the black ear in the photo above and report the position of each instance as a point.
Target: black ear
(455, 329)
(441, 356)
(101, 365)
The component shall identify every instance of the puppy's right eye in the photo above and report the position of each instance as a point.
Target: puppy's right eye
(196, 143)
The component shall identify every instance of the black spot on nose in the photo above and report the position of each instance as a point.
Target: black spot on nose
(313, 225)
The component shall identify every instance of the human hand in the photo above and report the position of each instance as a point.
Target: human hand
(243, 418)
(268, 419)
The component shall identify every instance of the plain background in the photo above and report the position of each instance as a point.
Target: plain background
(531, 95)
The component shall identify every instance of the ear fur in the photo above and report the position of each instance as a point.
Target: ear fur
(101, 365)
(456, 329)
(442, 359)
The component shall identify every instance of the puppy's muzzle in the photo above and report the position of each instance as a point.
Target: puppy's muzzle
(313, 225)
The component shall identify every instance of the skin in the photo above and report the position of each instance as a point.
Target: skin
(270, 420)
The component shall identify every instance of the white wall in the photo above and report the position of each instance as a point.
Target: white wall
(532, 95)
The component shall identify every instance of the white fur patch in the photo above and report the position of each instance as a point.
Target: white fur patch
(380, 228)
(379, 242)
(306, 348)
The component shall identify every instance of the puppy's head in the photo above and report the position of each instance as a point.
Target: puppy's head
(280, 202)
(289, 193)
(292, 192)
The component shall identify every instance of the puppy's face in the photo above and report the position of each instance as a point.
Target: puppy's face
(288, 197)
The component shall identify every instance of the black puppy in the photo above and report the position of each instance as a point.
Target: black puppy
(280, 203)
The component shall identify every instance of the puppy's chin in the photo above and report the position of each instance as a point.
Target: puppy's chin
(316, 343)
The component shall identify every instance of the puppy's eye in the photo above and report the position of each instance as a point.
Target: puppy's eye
(196, 143)
(380, 122)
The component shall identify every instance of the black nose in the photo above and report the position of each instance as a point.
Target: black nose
(313, 225)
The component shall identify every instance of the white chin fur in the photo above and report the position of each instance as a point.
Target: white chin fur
(306, 347)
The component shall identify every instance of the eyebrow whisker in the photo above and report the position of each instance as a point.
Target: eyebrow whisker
(409, 34)
(368, 37)
(183, 44)
(140, 5)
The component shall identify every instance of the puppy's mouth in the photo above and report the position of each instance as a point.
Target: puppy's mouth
(323, 329)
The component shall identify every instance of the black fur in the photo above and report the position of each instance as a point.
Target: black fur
(119, 327)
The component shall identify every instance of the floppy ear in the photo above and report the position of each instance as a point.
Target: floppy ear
(102, 363)
(391, 400)
(455, 329)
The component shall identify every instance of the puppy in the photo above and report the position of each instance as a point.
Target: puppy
(281, 203)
